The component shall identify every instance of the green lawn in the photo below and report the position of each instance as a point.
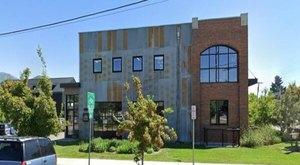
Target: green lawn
(279, 154)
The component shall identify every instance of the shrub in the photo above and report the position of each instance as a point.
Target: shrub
(99, 145)
(119, 146)
(264, 135)
(83, 147)
(149, 150)
(127, 147)
(156, 149)
(112, 149)
(115, 143)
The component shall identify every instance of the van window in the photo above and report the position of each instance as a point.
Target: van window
(11, 151)
(46, 147)
(32, 150)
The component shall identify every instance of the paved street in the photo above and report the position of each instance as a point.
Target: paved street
(67, 161)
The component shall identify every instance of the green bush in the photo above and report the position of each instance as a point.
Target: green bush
(112, 149)
(83, 147)
(119, 146)
(264, 135)
(100, 145)
(127, 147)
(156, 149)
(149, 150)
(115, 142)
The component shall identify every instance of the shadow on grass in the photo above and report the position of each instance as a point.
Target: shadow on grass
(178, 145)
(291, 149)
(67, 142)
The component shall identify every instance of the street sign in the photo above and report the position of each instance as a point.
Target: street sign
(91, 107)
(193, 112)
(193, 116)
(91, 103)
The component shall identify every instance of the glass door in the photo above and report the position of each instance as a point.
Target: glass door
(72, 116)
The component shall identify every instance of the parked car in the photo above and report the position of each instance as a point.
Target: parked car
(26, 151)
(7, 129)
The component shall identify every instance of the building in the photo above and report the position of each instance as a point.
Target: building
(57, 94)
(202, 63)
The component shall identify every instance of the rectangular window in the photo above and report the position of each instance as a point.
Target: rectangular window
(158, 62)
(233, 60)
(11, 151)
(137, 63)
(223, 75)
(104, 114)
(212, 75)
(117, 64)
(97, 65)
(233, 75)
(204, 75)
(204, 62)
(219, 112)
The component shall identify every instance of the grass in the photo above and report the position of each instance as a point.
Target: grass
(278, 154)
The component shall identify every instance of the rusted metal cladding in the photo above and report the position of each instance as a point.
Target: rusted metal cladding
(161, 85)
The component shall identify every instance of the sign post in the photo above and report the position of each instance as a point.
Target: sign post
(91, 107)
(193, 116)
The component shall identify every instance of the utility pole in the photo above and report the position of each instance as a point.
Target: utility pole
(258, 87)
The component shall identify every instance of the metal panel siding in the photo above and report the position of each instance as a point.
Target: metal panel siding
(150, 37)
(81, 41)
(170, 36)
(146, 42)
(114, 40)
(156, 37)
(119, 44)
(161, 36)
(104, 40)
(186, 34)
(99, 41)
(136, 38)
(125, 40)
(184, 92)
(90, 42)
(108, 43)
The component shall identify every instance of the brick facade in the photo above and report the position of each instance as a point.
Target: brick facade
(233, 33)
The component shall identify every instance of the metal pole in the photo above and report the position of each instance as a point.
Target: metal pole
(193, 142)
(90, 137)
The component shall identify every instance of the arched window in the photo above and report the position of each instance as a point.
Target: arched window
(218, 64)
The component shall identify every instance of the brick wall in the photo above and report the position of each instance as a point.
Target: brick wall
(230, 32)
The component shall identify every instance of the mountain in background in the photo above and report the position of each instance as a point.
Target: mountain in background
(6, 76)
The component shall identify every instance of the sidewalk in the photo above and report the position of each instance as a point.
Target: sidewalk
(69, 161)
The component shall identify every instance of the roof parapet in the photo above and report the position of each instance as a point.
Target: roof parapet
(195, 23)
(244, 19)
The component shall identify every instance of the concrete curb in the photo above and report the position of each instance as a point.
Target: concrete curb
(73, 161)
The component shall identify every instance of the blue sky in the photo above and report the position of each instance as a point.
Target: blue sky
(274, 35)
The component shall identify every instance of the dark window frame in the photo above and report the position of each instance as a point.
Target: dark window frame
(113, 64)
(154, 66)
(101, 114)
(218, 113)
(218, 69)
(137, 70)
(94, 65)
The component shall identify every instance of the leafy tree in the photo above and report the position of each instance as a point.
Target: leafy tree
(262, 109)
(288, 108)
(277, 88)
(143, 123)
(32, 113)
